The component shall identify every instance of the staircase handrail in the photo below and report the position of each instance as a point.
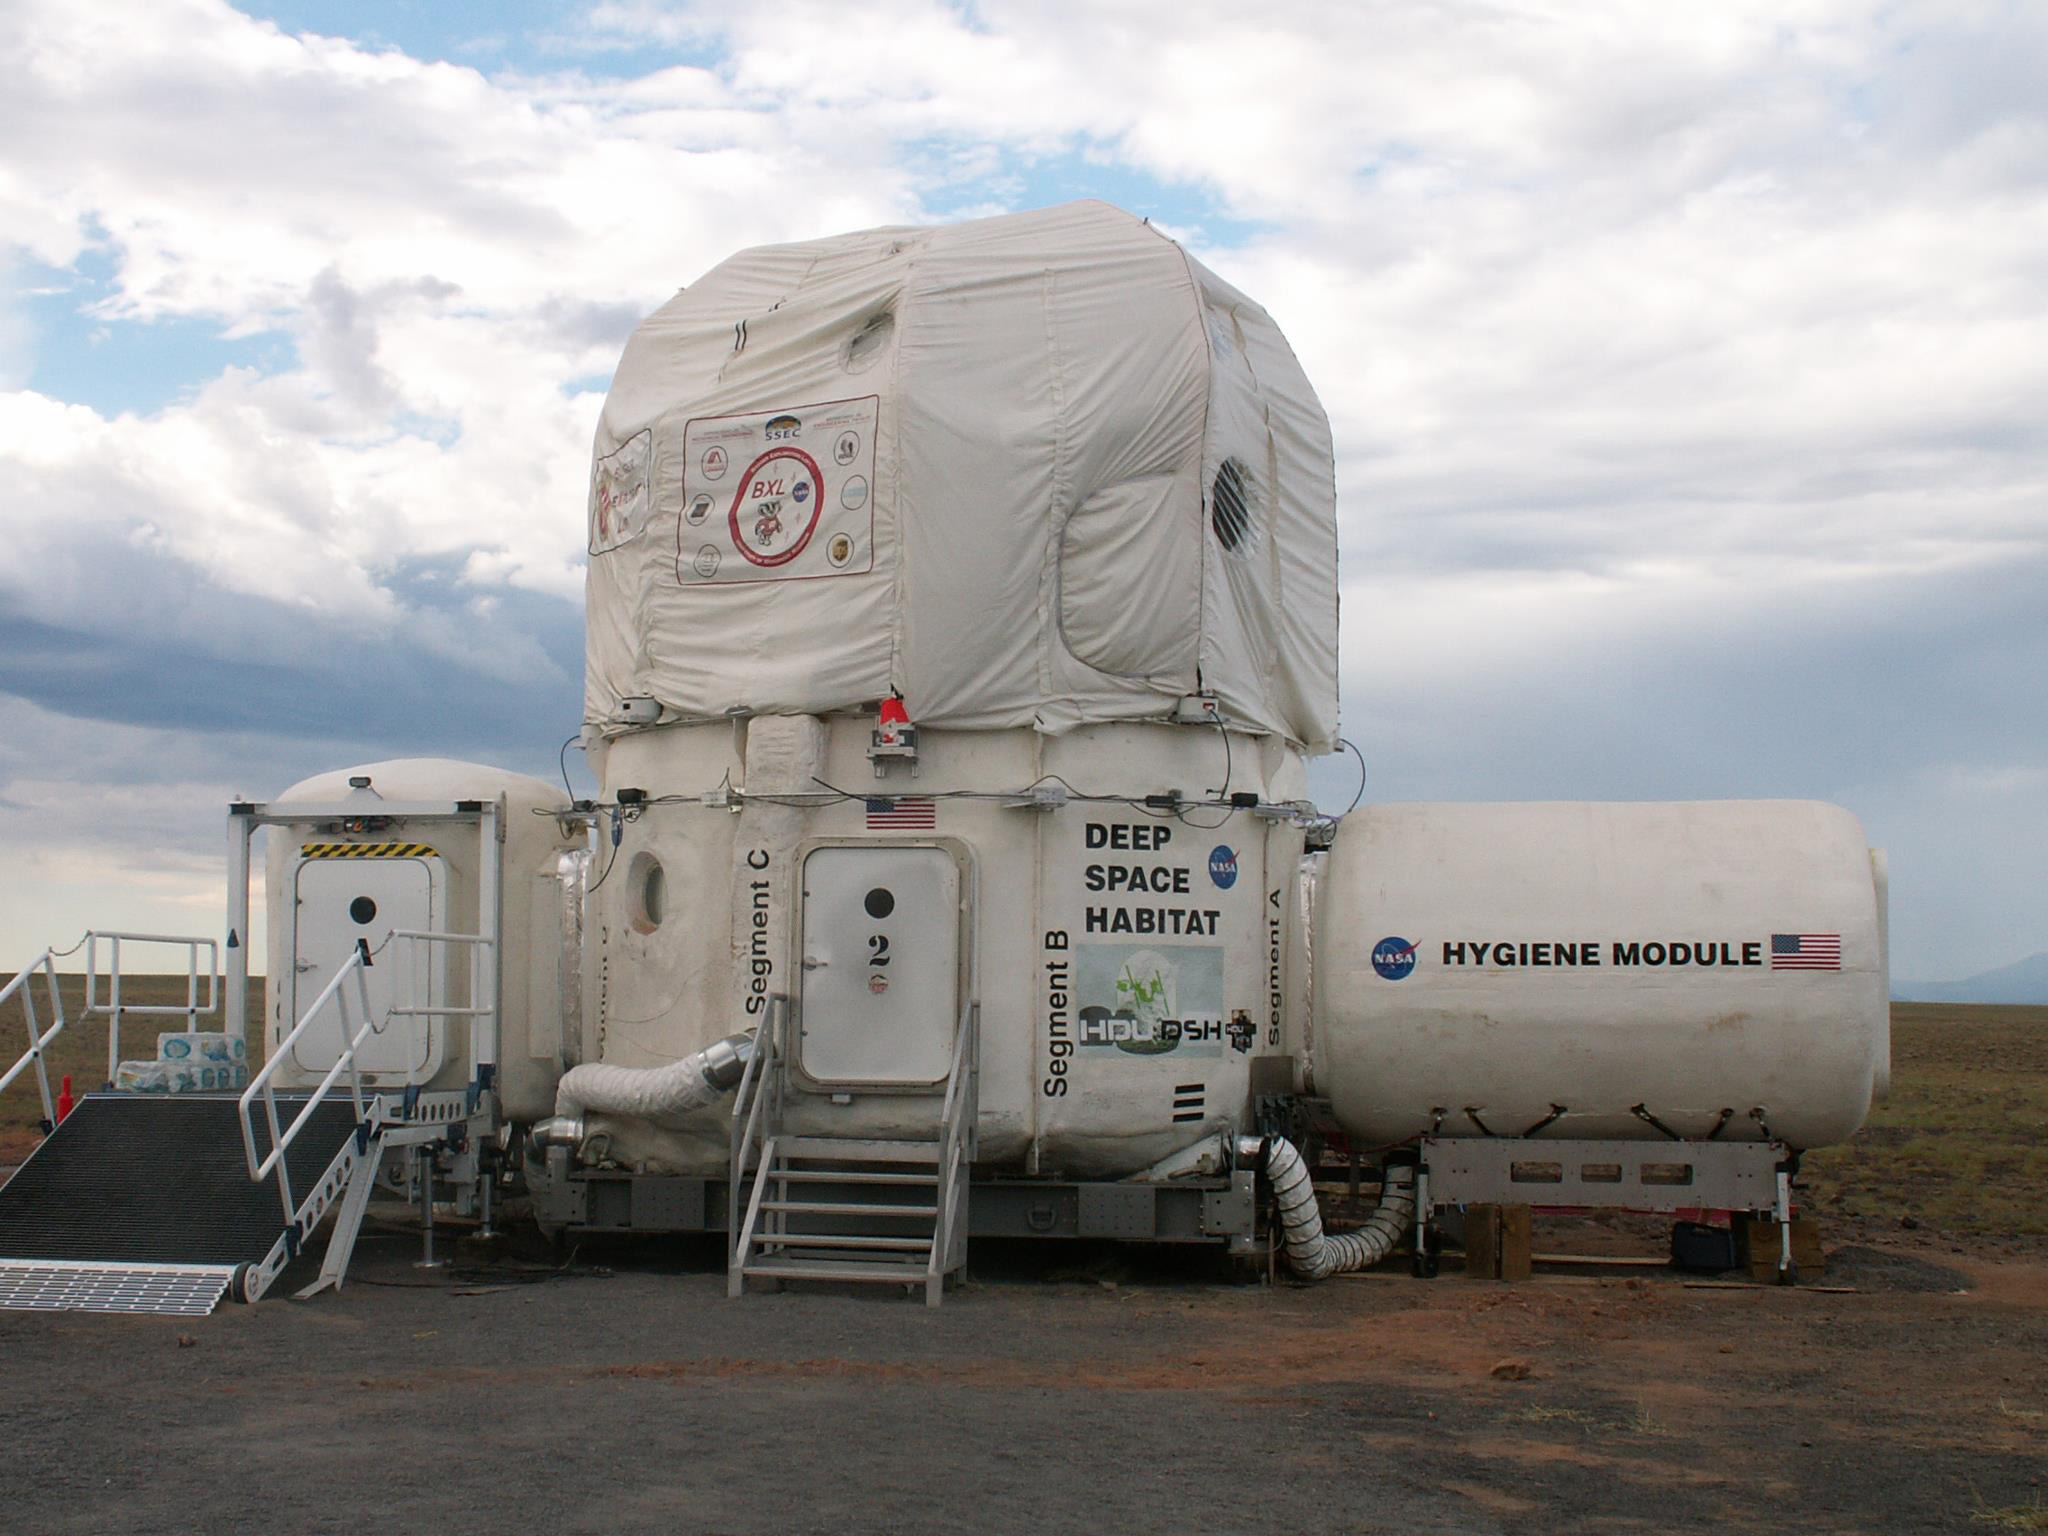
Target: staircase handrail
(113, 1009)
(261, 1169)
(37, 1043)
(747, 1106)
(483, 992)
(961, 1109)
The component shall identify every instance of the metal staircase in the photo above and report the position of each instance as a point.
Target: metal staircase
(167, 1202)
(848, 1208)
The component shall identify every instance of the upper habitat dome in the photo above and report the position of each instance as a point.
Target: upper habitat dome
(1043, 470)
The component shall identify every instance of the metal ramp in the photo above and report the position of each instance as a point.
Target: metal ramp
(167, 1201)
(865, 1210)
(143, 1203)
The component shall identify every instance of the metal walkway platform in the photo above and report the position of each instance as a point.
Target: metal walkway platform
(144, 1203)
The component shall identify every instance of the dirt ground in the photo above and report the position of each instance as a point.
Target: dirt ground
(1106, 1390)
(1084, 1391)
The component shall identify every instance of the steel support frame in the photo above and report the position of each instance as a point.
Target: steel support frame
(603, 1200)
(246, 816)
(348, 1183)
(1658, 1176)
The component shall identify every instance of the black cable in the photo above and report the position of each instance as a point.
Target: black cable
(829, 794)
(618, 832)
(1361, 775)
(1224, 792)
(563, 758)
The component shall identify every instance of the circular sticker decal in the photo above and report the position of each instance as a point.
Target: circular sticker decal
(698, 510)
(854, 494)
(839, 550)
(1393, 958)
(770, 523)
(706, 563)
(845, 448)
(1223, 867)
(713, 463)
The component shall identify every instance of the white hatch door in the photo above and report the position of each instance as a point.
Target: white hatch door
(881, 965)
(340, 900)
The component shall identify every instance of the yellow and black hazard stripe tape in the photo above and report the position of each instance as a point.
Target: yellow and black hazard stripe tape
(367, 851)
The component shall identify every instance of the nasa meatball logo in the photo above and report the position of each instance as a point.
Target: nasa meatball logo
(1223, 867)
(1393, 958)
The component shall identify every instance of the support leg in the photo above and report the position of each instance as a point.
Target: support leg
(424, 1170)
(1422, 1214)
(487, 1174)
(1788, 1274)
(348, 1222)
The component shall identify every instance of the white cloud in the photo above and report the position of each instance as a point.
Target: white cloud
(446, 251)
(1633, 320)
(119, 828)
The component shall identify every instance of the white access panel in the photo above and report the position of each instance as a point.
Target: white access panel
(881, 965)
(339, 901)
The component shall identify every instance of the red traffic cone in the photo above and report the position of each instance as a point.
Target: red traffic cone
(65, 1103)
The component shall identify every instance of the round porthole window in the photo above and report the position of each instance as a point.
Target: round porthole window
(1230, 507)
(648, 886)
(363, 911)
(865, 347)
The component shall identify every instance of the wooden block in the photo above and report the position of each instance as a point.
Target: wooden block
(1757, 1247)
(1482, 1241)
(1517, 1242)
(1806, 1249)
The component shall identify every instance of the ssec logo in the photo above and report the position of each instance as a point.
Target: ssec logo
(1223, 867)
(1393, 958)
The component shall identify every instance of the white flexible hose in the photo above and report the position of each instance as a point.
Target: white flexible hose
(701, 1078)
(1311, 1254)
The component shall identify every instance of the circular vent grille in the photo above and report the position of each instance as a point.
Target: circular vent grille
(1230, 510)
(864, 348)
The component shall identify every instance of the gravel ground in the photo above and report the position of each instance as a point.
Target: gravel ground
(1056, 1391)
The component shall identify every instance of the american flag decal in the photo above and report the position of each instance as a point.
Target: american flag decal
(903, 813)
(1806, 951)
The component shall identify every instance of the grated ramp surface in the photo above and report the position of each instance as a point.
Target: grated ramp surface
(159, 1180)
(179, 1290)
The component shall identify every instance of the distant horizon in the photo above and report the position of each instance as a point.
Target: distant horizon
(1895, 982)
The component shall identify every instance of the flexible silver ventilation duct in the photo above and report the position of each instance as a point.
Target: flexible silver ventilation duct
(1311, 1254)
(700, 1078)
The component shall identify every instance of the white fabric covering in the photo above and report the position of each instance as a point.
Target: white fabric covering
(1027, 538)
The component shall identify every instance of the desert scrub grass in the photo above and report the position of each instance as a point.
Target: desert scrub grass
(1538, 1413)
(2014, 1517)
(1644, 1422)
(1640, 1422)
(1961, 1144)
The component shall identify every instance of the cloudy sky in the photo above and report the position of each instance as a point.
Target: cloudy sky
(1688, 368)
